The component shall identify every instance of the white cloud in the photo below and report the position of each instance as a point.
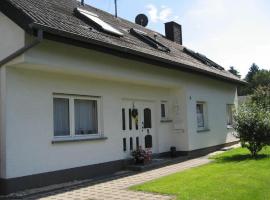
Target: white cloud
(233, 33)
(159, 14)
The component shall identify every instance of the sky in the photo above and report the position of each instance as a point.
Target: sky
(230, 32)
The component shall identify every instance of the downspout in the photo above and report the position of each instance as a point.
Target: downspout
(23, 49)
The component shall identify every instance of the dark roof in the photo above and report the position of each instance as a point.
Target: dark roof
(56, 17)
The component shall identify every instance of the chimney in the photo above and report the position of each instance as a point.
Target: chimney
(173, 32)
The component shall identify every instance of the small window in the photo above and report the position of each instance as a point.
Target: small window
(201, 115)
(164, 109)
(230, 114)
(61, 116)
(94, 18)
(149, 40)
(86, 121)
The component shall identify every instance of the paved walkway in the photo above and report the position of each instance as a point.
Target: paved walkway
(117, 189)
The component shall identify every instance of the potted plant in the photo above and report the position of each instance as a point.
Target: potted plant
(139, 155)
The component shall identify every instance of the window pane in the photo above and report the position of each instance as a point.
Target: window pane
(130, 119)
(124, 144)
(147, 118)
(229, 115)
(86, 121)
(61, 116)
(131, 143)
(123, 119)
(137, 142)
(200, 116)
(163, 110)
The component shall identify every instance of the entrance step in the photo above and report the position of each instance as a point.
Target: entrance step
(156, 163)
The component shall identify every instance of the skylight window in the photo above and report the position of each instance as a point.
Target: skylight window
(203, 59)
(97, 21)
(149, 40)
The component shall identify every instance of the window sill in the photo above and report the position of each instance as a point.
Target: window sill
(203, 130)
(166, 120)
(77, 139)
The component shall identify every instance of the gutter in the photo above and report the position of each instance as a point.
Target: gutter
(22, 50)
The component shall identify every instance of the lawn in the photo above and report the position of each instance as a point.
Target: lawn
(232, 175)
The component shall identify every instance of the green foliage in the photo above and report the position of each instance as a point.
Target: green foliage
(253, 70)
(261, 97)
(255, 78)
(252, 126)
(234, 71)
(252, 121)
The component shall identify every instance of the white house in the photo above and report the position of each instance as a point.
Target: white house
(80, 89)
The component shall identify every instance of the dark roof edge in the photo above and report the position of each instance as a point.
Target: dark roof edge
(72, 38)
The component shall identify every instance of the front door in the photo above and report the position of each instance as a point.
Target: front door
(137, 126)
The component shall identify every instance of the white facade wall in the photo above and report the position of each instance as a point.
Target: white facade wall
(52, 67)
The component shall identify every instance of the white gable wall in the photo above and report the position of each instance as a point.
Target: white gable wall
(56, 68)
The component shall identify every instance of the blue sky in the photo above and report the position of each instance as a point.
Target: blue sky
(231, 32)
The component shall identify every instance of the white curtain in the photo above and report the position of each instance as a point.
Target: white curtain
(61, 116)
(200, 116)
(86, 117)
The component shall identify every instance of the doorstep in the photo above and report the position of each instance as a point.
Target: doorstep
(156, 163)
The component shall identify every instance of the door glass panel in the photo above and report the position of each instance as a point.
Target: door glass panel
(123, 119)
(137, 142)
(147, 118)
(148, 141)
(124, 144)
(130, 119)
(131, 143)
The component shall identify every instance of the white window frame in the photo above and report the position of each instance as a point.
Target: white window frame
(72, 99)
(166, 107)
(205, 116)
(231, 106)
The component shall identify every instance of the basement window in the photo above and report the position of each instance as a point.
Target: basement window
(149, 40)
(94, 18)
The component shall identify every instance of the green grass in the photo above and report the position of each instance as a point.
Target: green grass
(232, 175)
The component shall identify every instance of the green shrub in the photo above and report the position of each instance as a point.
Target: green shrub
(252, 125)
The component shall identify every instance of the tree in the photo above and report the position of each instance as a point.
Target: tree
(261, 78)
(252, 121)
(234, 71)
(252, 71)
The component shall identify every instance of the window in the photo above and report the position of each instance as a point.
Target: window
(164, 109)
(85, 117)
(201, 115)
(230, 114)
(147, 118)
(137, 142)
(61, 116)
(149, 40)
(123, 119)
(124, 144)
(76, 115)
(98, 22)
(131, 143)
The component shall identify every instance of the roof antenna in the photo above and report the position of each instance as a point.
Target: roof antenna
(115, 6)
